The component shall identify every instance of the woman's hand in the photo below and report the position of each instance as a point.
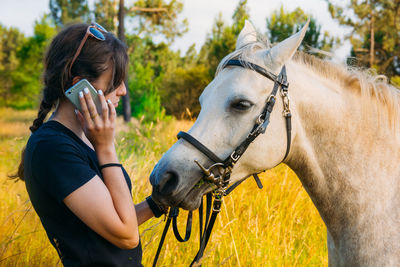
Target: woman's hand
(98, 128)
(104, 204)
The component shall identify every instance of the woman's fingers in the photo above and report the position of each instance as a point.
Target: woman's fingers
(104, 106)
(111, 108)
(91, 107)
(99, 128)
(85, 111)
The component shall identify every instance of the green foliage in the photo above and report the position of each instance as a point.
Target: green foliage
(395, 80)
(21, 71)
(182, 90)
(367, 18)
(106, 13)
(222, 39)
(149, 64)
(69, 11)
(240, 15)
(220, 42)
(183, 86)
(145, 99)
(282, 24)
(11, 41)
(27, 77)
(159, 17)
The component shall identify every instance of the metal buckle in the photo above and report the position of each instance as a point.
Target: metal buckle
(218, 194)
(286, 103)
(234, 158)
(217, 205)
(270, 97)
(259, 120)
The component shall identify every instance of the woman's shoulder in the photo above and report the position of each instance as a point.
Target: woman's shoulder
(52, 137)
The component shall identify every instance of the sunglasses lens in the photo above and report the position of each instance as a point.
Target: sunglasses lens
(96, 33)
(100, 27)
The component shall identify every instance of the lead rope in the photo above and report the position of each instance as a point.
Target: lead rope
(205, 232)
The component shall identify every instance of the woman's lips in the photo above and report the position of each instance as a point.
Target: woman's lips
(116, 103)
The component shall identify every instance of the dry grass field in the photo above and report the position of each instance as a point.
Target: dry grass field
(275, 226)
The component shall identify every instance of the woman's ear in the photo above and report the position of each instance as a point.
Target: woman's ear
(76, 79)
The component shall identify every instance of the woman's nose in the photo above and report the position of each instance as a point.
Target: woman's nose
(121, 89)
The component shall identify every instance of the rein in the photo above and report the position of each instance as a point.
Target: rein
(223, 168)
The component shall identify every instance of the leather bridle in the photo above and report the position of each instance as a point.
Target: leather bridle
(223, 168)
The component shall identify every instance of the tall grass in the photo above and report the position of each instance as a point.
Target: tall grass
(275, 226)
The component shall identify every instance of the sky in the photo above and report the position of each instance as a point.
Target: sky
(201, 15)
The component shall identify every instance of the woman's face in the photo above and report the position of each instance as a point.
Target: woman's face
(103, 82)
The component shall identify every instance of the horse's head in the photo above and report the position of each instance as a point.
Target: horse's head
(230, 106)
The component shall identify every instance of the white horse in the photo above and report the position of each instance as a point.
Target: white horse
(345, 144)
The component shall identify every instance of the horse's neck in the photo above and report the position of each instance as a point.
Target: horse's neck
(349, 168)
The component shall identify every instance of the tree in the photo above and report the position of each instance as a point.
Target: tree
(220, 42)
(155, 17)
(184, 84)
(121, 35)
(21, 64)
(282, 24)
(106, 13)
(158, 17)
(240, 15)
(11, 40)
(375, 35)
(68, 11)
(182, 90)
(222, 39)
(27, 83)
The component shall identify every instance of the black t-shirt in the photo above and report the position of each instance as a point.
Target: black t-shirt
(57, 162)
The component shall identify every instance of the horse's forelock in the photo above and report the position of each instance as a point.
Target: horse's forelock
(244, 53)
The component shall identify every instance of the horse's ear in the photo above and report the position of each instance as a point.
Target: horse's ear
(278, 55)
(247, 35)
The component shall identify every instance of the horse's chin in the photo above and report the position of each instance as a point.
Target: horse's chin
(192, 200)
(193, 204)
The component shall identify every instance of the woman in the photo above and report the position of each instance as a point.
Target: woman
(72, 173)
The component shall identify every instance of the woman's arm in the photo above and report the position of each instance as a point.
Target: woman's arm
(112, 217)
(106, 207)
(143, 212)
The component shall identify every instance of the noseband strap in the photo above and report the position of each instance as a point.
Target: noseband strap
(211, 155)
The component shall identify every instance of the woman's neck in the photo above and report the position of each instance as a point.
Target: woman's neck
(65, 114)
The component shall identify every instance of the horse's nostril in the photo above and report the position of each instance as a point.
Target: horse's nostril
(168, 183)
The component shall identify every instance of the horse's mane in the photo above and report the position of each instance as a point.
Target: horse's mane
(377, 95)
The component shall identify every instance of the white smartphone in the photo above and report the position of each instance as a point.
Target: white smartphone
(73, 94)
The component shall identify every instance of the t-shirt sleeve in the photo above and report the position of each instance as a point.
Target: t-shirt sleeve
(60, 168)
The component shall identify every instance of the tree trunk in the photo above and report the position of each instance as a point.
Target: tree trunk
(126, 103)
(372, 45)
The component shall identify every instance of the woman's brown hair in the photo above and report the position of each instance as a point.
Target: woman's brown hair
(95, 58)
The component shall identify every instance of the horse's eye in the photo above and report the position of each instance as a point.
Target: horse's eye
(242, 105)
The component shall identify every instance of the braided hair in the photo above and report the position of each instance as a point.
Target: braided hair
(95, 58)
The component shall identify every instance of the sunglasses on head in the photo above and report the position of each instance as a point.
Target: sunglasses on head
(94, 30)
